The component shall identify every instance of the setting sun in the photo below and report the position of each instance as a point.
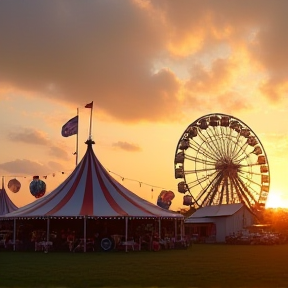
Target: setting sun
(274, 200)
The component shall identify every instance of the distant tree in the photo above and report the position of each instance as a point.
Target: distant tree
(188, 212)
(277, 217)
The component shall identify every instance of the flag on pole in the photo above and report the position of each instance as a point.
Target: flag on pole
(89, 105)
(70, 128)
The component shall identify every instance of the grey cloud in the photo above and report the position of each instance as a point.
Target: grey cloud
(22, 167)
(59, 153)
(102, 48)
(108, 49)
(25, 167)
(126, 146)
(29, 135)
(56, 166)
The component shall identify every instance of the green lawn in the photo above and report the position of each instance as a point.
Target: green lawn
(199, 266)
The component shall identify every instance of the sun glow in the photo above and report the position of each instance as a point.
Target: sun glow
(275, 200)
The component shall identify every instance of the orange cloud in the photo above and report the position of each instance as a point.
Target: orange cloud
(218, 78)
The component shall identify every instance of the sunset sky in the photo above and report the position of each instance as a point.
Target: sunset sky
(151, 68)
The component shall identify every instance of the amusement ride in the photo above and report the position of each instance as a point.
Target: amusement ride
(220, 160)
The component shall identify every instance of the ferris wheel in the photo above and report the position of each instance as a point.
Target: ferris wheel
(220, 160)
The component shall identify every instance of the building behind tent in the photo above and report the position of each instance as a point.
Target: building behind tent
(214, 223)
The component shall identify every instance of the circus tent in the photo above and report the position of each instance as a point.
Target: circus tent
(92, 192)
(6, 205)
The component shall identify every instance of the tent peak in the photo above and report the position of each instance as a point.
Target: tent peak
(89, 142)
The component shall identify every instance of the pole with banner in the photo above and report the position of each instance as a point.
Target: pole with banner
(77, 138)
(71, 128)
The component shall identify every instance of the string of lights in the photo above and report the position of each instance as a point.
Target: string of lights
(111, 172)
(44, 176)
(140, 182)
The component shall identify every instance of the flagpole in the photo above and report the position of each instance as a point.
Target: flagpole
(77, 138)
(90, 128)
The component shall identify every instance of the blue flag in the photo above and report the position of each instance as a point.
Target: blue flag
(70, 128)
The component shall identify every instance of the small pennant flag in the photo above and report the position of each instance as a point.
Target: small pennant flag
(89, 105)
(70, 128)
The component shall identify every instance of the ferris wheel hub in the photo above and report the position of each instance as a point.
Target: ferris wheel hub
(229, 169)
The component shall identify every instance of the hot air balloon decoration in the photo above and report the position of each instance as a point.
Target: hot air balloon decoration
(37, 187)
(165, 199)
(14, 185)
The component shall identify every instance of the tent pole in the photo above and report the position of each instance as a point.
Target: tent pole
(14, 234)
(47, 235)
(85, 233)
(90, 128)
(77, 137)
(183, 229)
(175, 223)
(126, 232)
(48, 228)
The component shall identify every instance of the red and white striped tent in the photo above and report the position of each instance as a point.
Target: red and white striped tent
(91, 191)
(6, 205)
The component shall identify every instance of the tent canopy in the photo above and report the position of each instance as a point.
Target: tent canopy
(6, 205)
(91, 191)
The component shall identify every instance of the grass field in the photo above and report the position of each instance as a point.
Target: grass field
(199, 266)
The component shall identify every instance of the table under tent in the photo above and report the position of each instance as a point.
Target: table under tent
(92, 206)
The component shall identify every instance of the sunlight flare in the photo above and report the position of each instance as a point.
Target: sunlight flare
(274, 200)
